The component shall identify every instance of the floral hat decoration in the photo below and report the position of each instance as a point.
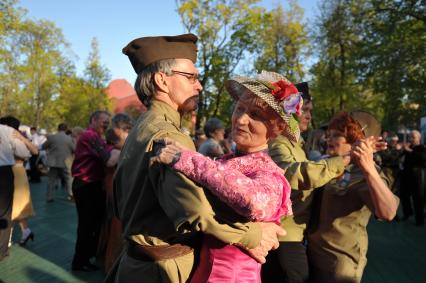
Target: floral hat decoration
(278, 92)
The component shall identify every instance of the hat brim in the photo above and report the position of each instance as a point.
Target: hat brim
(368, 123)
(238, 85)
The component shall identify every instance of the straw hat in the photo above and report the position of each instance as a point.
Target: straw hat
(278, 92)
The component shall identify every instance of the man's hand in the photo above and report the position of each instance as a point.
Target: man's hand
(362, 154)
(269, 241)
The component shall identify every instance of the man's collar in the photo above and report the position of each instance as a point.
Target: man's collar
(169, 112)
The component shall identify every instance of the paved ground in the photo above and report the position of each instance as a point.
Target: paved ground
(397, 251)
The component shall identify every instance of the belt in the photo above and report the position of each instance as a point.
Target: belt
(157, 253)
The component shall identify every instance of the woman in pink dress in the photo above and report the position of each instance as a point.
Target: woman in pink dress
(248, 180)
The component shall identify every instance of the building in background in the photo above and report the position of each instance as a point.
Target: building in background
(124, 99)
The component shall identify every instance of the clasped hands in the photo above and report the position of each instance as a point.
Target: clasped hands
(362, 151)
(269, 241)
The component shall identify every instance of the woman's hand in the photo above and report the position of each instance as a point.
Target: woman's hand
(19, 136)
(30, 146)
(362, 153)
(167, 151)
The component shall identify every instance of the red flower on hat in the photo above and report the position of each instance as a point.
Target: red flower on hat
(283, 89)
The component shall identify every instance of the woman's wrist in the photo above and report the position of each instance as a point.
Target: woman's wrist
(175, 158)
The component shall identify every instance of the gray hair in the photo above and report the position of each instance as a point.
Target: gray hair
(145, 85)
(122, 121)
(212, 125)
(416, 133)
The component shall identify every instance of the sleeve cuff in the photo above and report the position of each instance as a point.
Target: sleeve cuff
(252, 238)
(336, 164)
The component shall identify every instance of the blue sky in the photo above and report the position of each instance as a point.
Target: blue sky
(114, 24)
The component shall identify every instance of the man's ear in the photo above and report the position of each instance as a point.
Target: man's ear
(161, 82)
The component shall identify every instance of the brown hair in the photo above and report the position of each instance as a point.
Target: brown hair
(347, 126)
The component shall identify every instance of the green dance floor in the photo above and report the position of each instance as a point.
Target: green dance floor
(397, 250)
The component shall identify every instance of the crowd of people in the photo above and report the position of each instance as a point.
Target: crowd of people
(265, 200)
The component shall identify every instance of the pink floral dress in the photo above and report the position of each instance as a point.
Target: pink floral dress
(255, 187)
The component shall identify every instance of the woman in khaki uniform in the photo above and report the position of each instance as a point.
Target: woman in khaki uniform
(289, 263)
(337, 246)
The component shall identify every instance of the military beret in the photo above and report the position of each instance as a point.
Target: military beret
(368, 123)
(147, 50)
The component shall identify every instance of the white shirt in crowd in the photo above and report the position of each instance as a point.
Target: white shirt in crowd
(38, 140)
(11, 147)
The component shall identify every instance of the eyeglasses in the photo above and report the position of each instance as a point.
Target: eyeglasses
(192, 77)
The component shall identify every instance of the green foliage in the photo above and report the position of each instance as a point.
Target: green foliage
(240, 37)
(77, 100)
(96, 74)
(371, 56)
(227, 34)
(285, 42)
(38, 83)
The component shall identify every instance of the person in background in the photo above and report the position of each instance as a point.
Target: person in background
(289, 263)
(76, 133)
(414, 178)
(91, 155)
(390, 162)
(199, 138)
(111, 240)
(10, 146)
(315, 145)
(42, 158)
(22, 208)
(215, 132)
(227, 144)
(59, 148)
(38, 141)
(338, 241)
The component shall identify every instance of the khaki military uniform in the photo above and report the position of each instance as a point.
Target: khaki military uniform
(159, 206)
(338, 246)
(303, 176)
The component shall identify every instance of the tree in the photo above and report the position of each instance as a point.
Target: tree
(335, 82)
(97, 77)
(392, 57)
(285, 43)
(373, 49)
(11, 19)
(96, 74)
(40, 50)
(38, 83)
(227, 32)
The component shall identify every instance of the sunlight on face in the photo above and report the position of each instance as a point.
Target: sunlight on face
(306, 116)
(184, 92)
(250, 124)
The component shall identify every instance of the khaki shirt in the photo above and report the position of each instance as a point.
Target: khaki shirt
(158, 205)
(303, 176)
(338, 245)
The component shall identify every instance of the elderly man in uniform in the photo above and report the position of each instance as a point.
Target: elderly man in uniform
(163, 213)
